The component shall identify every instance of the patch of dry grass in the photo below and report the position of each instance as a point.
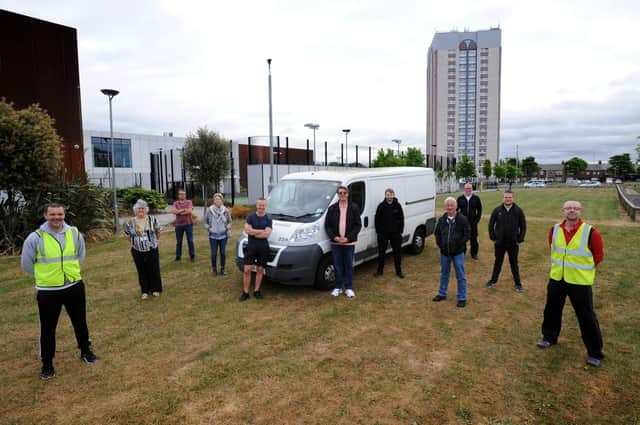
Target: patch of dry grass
(197, 355)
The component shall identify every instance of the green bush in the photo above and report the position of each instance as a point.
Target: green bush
(128, 197)
(87, 207)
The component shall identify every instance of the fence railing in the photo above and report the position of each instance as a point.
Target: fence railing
(630, 202)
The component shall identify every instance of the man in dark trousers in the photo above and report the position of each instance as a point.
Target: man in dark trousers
(452, 233)
(470, 206)
(52, 255)
(507, 227)
(576, 250)
(389, 222)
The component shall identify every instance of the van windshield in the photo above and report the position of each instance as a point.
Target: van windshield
(301, 200)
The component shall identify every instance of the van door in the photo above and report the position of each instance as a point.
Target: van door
(358, 195)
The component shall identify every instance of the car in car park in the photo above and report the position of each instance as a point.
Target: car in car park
(535, 183)
(590, 184)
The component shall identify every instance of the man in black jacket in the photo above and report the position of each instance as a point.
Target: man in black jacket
(507, 227)
(470, 206)
(452, 233)
(389, 222)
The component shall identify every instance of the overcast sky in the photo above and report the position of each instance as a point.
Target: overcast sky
(570, 69)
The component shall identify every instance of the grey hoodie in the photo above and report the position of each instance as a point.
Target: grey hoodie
(30, 245)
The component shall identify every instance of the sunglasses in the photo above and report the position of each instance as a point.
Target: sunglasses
(343, 193)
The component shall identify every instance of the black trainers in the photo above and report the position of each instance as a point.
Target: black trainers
(519, 288)
(438, 298)
(245, 296)
(378, 273)
(222, 272)
(461, 303)
(489, 284)
(214, 273)
(400, 275)
(192, 259)
(88, 357)
(543, 343)
(257, 295)
(47, 372)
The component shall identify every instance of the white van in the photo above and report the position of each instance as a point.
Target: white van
(300, 248)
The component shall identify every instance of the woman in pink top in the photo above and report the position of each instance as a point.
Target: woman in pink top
(342, 225)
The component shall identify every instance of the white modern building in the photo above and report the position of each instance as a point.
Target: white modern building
(132, 156)
(463, 95)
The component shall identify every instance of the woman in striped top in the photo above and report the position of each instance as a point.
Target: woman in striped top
(143, 232)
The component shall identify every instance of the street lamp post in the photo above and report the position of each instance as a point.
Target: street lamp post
(270, 132)
(398, 141)
(346, 145)
(110, 93)
(314, 127)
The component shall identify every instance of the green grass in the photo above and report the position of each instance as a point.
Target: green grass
(197, 355)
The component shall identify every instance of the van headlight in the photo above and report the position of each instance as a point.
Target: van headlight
(304, 233)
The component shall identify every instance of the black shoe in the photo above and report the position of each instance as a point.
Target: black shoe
(461, 303)
(257, 295)
(47, 372)
(222, 272)
(214, 273)
(88, 357)
(475, 257)
(519, 288)
(192, 259)
(438, 298)
(245, 296)
(400, 275)
(490, 283)
(176, 260)
(378, 273)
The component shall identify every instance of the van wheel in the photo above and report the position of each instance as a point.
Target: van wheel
(326, 274)
(417, 244)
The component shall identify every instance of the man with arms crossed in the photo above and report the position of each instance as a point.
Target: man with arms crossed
(258, 228)
(470, 206)
(576, 250)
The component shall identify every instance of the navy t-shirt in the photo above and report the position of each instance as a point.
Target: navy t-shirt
(259, 223)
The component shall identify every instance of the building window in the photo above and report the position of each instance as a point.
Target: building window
(484, 61)
(452, 92)
(452, 77)
(484, 90)
(452, 84)
(453, 120)
(102, 152)
(484, 53)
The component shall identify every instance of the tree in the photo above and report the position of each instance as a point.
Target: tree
(387, 159)
(619, 165)
(499, 171)
(511, 161)
(638, 157)
(575, 166)
(530, 167)
(414, 158)
(486, 168)
(465, 167)
(30, 148)
(206, 158)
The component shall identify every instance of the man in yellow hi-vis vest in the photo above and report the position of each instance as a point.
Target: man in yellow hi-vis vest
(576, 250)
(52, 255)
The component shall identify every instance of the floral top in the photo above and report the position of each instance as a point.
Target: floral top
(142, 233)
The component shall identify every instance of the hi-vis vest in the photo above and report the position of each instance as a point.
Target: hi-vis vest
(53, 264)
(572, 263)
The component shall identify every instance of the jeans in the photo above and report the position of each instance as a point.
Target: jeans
(215, 244)
(181, 230)
(343, 263)
(458, 264)
(396, 242)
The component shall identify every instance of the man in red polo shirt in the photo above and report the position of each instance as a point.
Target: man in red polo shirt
(182, 208)
(576, 250)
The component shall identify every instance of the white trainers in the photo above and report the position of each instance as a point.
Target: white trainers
(336, 292)
(349, 293)
(145, 296)
(155, 294)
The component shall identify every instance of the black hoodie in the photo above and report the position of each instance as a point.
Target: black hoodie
(389, 217)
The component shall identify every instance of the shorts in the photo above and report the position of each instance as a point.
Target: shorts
(256, 254)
